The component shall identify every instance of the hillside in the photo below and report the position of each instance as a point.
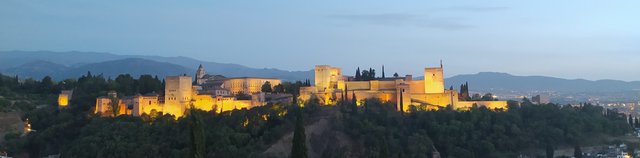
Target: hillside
(38, 69)
(20, 62)
(133, 66)
(493, 81)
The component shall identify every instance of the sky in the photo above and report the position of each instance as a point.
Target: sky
(588, 39)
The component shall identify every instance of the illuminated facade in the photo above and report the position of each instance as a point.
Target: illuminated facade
(180, 95)
(427, 94)
(64, 97)
(148, 104)
(248, 85)
(177, 94)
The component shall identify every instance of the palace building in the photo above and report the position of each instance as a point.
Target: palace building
(428, 93)
(212, 93)
(64, 97)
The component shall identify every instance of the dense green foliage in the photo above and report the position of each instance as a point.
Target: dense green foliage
(299, 144)
(365, 75)
(266, 87)
(478, 132)
(57, 128)
(374, 129)
(291, 87)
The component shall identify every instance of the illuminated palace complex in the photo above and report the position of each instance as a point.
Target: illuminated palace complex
(429, 93)
(215, 92)
(212, 92)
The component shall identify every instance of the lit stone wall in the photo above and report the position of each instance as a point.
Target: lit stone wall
(224, 104)
(102, 105)
(433, 80)
(388, 85)
(403, 102)
(417, 86)
(178, 94)
(145, 104)
(248, 85)
(489, 104)
(63, 100)
(203, 102)
(328, 78)
(358, 85)
(438, 99)
(383, 95)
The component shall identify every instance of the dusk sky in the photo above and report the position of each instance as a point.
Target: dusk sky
(570, 39)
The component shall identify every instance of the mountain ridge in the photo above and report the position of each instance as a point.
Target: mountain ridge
(62, 65)
(486, 81)
(12, 60)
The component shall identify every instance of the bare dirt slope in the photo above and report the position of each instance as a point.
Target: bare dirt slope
(9, 122)
(319, 136)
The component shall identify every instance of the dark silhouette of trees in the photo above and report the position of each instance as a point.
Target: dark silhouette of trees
(299, 147)
(358, 75)
(196, 135)
(577, 152)
(266, 87)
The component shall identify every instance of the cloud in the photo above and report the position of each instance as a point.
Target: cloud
(400, 19)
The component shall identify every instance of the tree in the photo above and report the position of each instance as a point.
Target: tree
(365, 76)
(46, 85)
(549, 150)
(383, 71)
(354, 103)
(487, 97)
(577, 152)
(126, 84)
(476, 97)
(197, 135)
(243, 96)
(148, 84)
(396, 75)
(279, 88)
(266, 87)
(372, 74)
(299, 147)
(358, 76)
(115, 105)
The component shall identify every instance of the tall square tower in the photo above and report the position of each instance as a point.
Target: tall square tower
(177, 94)
(433, 80)
(328, 78)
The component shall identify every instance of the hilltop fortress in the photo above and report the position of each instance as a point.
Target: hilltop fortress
(211, 92)
(426, 94)
(218, 93)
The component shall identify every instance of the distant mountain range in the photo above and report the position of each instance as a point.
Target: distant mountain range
(62, 65)
(494, 81)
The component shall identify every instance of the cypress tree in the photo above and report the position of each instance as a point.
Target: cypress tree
(384, 149)
(577, 152)
(358, 74)
(383, 71)
(354, 103)
(549, 151)
(299, 148)
(371, 74)
(197, 135)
